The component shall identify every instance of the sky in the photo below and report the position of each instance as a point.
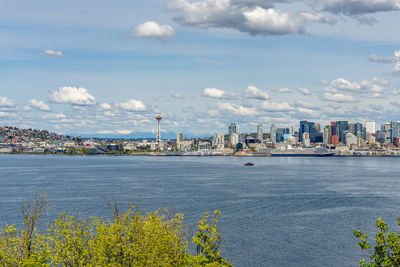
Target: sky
(110, 67)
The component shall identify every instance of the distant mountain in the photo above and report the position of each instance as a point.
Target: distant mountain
(136, 135)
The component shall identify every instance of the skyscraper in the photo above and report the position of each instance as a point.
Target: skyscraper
(370, 127)
(395, 130)
(179, 137)
(309, 127)
(232, 128)
(341, 126)
(272, 133)
(326, 135)
(260, 132)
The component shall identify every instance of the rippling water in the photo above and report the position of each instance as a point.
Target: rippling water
(281, 212)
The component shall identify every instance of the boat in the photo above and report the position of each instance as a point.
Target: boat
(249, 164)
(302, 152)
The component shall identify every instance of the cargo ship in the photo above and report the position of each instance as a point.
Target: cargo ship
(302, 152)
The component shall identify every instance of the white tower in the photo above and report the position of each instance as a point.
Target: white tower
(158, 140)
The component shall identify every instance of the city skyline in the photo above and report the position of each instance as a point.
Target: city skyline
(109, 68)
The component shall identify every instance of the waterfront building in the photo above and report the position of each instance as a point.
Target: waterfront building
(272, 133)
(371, 140)
(395, 130)
(232, 128)
(218, 140)
(396, 141)
(242, 138)
(351, 139)
(380, 136)
(260, 132)
(334, 140)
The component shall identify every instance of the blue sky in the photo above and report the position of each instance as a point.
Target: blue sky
(110, 67)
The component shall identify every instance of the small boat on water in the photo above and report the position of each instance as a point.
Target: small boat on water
(249, 164)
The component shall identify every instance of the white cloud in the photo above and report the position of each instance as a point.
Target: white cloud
(342, 84)
(253, 17)
(359, 7)
(284, 90)
(53, 116)
(124, 131)
(396, 92)
(104, 132)
(152, 29)
(378, 59)
(109, 114)
(6, 102)
(73, 96)
(364, 88)
(177, 96)
(318, 18)
(305, 110)
(271, 22)
(304, 91)
(132, 105)
(306, 105)
(39, 105)
(217, 93)
(397, 54)
(105, 106)
(396, 68)
(275, 107)
(254, 92)
(238, 109)
(52, 53)
(341, 98)
(4, 114)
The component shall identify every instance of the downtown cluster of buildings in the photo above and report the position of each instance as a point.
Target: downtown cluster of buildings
(340, 137)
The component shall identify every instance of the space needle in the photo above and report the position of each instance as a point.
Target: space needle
(158, 140)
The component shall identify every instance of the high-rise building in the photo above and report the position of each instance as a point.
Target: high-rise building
(318, 127)
(395, 130)
(370, 127)
(260, 132)
(280, 134)
(326, 135)
(310, 127)
(306, 139)
(234, 139)
(232, 128)
(242, 138)
(341, 126)
(272, 133)
(359, 129)
(179, 137)
(218, 140)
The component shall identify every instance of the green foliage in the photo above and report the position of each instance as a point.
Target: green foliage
(71, 151)
(131, 239)
(386, 251)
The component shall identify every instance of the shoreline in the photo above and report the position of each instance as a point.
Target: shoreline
(201, 156)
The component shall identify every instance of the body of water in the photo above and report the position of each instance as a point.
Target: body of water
(281, 212)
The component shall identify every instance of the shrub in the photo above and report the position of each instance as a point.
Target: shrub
(130, 239)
